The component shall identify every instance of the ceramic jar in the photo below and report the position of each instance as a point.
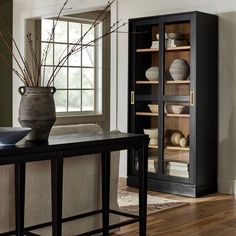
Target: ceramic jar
(152, 73)
(37, 111)
(179, 69)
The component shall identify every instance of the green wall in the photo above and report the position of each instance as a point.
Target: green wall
(5, 71)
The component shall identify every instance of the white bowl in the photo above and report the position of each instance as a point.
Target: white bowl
(152, 133)
(9, 136)
(175, 109)
(152, 73)
(153, 108)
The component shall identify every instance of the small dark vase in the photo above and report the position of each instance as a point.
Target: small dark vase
(37, 111)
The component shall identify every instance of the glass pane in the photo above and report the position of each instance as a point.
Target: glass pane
(46, 72)
(152, 160)
(61, 32)
(147, 75)
(88, 56)
(61, 100)
(177, 59)
(75, 100)
(88, 100)
(176, 127)
(46, 29)
(74, 77)
(90, 34)
(60, 80)
(88, 78)
(74, 32)
(60, 51)
(47, 49)
(75, 59)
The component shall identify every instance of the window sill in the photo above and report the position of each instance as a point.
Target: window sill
(79, 119)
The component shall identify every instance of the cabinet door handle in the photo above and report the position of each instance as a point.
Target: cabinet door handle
(192, 98)
(132, 97)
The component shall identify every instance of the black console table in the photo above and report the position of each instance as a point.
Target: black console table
(60, 147)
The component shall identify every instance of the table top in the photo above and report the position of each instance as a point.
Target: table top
(75, 144)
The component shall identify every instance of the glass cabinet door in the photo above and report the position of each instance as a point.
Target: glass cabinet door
(176, 83)
(146, 88)
(177, 59)
(176, 139)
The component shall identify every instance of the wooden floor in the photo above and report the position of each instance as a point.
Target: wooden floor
(212, 215)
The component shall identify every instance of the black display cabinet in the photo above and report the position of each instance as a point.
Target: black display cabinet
(173, 89)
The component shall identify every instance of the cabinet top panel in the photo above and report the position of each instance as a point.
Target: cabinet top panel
(178, 16)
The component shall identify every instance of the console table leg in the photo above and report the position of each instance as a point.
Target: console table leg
(142, 155)
(19, 198)
(57, 181)
(105, 191)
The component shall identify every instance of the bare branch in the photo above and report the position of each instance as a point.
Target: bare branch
(31, 73)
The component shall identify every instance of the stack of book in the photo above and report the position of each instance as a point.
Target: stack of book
(152, 165)
(155, 44)
(170, 43)
(179, 169)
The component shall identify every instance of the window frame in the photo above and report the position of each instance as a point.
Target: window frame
(67, 67)
(99, 115)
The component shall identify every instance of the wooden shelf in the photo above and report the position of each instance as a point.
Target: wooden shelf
(147, 50)
(146, 114)
(171, 148)
(177, 148)
(167, 82)
(153, 146)
(178, 48)
(147, 82)
(178, 82)
(167, 49)
(178, 115)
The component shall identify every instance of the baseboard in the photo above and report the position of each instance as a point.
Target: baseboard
(227, 186)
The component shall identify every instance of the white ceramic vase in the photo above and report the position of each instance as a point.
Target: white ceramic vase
(152, 73)
(179, 69)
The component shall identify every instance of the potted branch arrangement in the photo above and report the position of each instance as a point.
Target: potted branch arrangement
(37, 107)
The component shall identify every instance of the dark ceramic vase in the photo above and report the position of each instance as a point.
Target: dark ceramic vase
(37, 111)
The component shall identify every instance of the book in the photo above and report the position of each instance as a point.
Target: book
(152, 165)
(178, 173)
(175, 163)
(181, 168)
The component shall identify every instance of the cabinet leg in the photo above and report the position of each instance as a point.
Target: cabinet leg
(143, 155)
(19, 198)
(105, 191)
(57, 181)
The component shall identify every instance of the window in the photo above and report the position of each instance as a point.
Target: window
(78, 82)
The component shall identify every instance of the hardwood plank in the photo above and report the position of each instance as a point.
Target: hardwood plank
(211, 215)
